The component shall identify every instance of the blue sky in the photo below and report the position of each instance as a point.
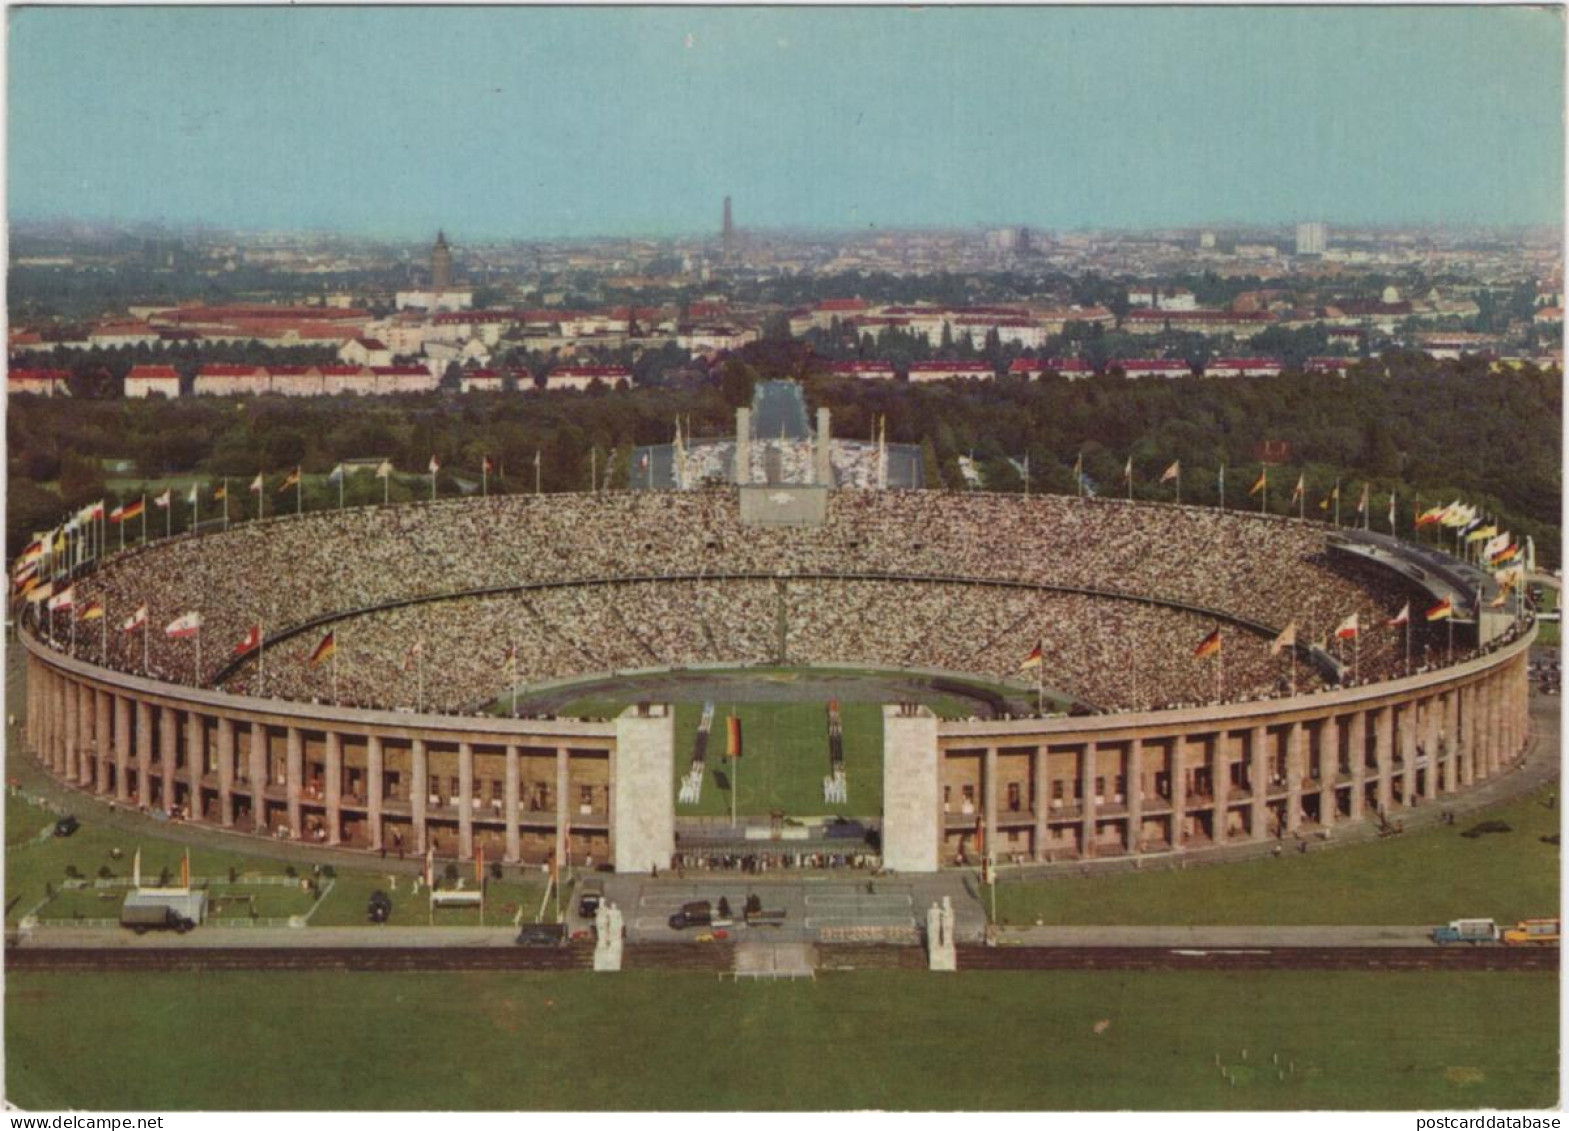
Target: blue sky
(563, 122)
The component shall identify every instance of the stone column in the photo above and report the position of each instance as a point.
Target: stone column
(294, 779)
(32, 704)
(563, 780)
(226, 771)
(334, 797)
(1356, 753)
(419, 791)
(1408, 736)
(375, 770)
(122, 749)
(1465, 736)
(1489, 715)
(1448, 731)
(1179, 791)
(1135, 793)
(260, 772)
(144, 753)
(64, 728)
(82, 708)
(104, 739)
(168, 752)
(989, 802)
(510, 806)
(1430, 730)
(1089, 760)
(1220, 785)
(1384, 744)
(1258, 775)
(1328, 769)
(1042, 800)
(465, 800)
(1296, 738)
(72, 729)
(195, 761)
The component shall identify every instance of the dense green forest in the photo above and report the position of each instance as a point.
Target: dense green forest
(1430, 431)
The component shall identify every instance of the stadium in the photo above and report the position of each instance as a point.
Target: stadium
(969, 675)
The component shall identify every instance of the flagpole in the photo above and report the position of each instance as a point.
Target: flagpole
(536, 471)
(145, 647)
(341, 477)
(386, 486)
(299, 492)
(1337, 502)
(261, 656)
(198, 680)
(1220, 663)
(103, 635)
(484, 477)
(1408, 643)
(1222, 488)
(226, 502)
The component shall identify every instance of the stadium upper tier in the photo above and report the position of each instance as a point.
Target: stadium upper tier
(890, 578)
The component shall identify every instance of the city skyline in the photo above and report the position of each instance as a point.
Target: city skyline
(548, 123)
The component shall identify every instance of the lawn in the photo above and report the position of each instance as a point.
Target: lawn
(652, 1040)
(346, 905)
(1549, 633)
(784, 758)
(1423, 877)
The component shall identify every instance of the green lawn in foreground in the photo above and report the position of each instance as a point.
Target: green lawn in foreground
(784, 758)
(1549, 634)
(874, 1039)
(1423, 877)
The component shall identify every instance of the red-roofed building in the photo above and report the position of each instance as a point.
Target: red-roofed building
(333, 380)
(1238, 324)
(404, 379)
(1148, 367)
(1335, 365)
(230, 380)
(39, 382)
(868, 370)
(924, 371)
(1242, 367)
(489, 380)
(365, 351)
(581, 377)
(1034, 368)
(152, 380)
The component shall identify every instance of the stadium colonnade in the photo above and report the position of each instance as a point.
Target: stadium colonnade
(528, 790)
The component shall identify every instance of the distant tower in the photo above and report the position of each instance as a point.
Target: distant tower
(1312, 238)
(441, 264)
(727, 233)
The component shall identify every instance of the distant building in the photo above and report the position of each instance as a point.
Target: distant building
(441, 294)
(365, 351)
(1147, 367)
(152, 380)
(441, 264)
(1242, 367)
(582, 377)
(864, 370)
(40, 382)
(1312, 238)
(923, 371)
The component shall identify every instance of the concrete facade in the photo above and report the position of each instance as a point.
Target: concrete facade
(910, 790)
(643, 801)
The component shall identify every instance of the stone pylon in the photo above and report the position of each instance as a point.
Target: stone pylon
(607, 946)
(941, 953)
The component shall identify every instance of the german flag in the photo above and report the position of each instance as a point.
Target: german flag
(324, 650)
(220, 492)
(292, 479)
(1033, 660)
(93, 610)
(1209, 646)
(132, 510)
(1261, 482)
(1441, 611)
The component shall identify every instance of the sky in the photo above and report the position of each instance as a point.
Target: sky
(557, 122)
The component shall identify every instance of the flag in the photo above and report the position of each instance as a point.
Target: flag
(1127, 471)
(1404, 616)
(323, 651)
(1441, 611)
(1458, 516)
(188, 625)
(136, 620)
(162, 500)
(1508, 554)
(509, 654)
(335, 475)
(1286, 639)
(435, 465)
(733, 746)
(37, 593)
(1261, 482)
(185, 870)
(289, 481)
(1209, 646)
(1430, 516)
(384, 470)
(192, 497)
(1362, 502)
(1391, 510)
(220, 492)
(27, 573)
(487, 465)
(256, 484)
(133, 510)
(93, 512)
(117, 515)
(1033, 660)
(1481, 533)
(251, 642)
(1171, 472)
(412, 654)
(63, 599)
(34, 551)
(93, 610)
(1496, 543)
(1297, 491)
(1078, 467)
(1347, 629)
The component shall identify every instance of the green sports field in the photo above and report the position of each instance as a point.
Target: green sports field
(873, 1039)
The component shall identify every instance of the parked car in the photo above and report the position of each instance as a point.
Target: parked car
(541, 935)
(1533, 932)
(590, 895)
(66, 825)
(700, 913)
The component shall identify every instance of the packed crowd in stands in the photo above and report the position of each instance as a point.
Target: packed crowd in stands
(878, 584)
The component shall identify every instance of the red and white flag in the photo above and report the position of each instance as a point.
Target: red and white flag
(256, 484)
(1404, 617)
(435, 465)
(136, 620)
(1347, 629)
(64, 599)
(1171, 472)
(414, 652)
(181, 627)
(162, 500)
(251, 642)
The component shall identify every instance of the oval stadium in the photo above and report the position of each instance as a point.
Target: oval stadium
(526, 676)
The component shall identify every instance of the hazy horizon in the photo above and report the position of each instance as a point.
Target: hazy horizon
(550, 123)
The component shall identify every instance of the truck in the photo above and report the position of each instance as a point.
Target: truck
(756, 915)
(699, 913)
(144, 917)
(1473, 931)
(591, 893)
(1533, 932)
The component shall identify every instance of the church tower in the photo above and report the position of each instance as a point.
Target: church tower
(441, 264)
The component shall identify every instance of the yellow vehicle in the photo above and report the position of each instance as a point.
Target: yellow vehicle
(1533, 932)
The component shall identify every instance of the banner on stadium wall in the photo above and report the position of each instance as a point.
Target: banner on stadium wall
(734, 747)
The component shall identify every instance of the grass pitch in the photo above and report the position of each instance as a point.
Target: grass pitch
(1431, 876)
(875, 1039)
